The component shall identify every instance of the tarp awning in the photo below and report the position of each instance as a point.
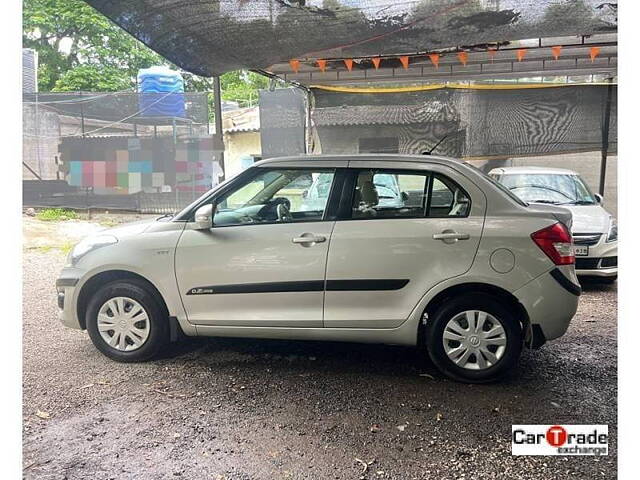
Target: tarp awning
(210, 37)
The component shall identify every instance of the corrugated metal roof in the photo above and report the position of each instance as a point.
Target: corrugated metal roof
(241, 120)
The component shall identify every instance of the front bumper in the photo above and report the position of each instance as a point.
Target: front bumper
(602, 260)
(66, 286)
(598, 267)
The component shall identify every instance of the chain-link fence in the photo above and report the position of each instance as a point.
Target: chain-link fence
(155, 153)
(146, 152)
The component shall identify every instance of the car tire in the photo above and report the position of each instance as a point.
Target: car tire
(139, 320)
(494, 351)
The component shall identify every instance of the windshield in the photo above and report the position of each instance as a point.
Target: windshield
(558, 189)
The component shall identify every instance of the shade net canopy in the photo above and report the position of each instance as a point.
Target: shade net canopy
(465, 122)
(210, 37)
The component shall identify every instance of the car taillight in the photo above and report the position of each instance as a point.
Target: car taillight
(557, 243)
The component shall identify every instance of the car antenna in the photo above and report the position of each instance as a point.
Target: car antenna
(428, 152)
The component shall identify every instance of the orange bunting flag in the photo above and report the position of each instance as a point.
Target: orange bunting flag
(593, 53)
(349, 63)
(556, 51)
(435, 59)
(295, 65)
(492, 53)
(405, 61)
(322, 65)
(463, 57)
(376, 62)
(520, 53)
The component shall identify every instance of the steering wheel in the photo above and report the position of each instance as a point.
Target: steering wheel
(276, 209)
(282, 210)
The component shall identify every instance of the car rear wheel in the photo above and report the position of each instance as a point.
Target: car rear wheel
(473, 338)
(126, 322)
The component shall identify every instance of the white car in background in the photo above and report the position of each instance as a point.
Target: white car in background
(595, 232)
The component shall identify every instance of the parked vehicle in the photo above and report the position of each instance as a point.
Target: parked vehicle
(595, 232)
(458, 265)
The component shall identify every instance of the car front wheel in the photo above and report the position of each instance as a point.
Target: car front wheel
(473, 338)
(126, 322)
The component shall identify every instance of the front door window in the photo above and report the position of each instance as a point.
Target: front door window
(276, 196)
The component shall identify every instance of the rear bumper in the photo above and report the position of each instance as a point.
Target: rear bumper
(550, 305)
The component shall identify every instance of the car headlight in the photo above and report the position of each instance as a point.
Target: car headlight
(612, 236)
(89, 244)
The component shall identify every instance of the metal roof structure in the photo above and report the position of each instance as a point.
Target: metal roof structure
(538, 61)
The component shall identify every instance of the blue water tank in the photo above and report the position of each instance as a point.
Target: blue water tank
(161, 92)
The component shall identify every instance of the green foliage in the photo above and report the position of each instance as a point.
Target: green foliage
(94, 78)
(79, 49)
(242, 86)
(57, 214)
(68, 34)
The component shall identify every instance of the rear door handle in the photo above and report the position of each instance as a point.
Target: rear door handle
(449, 236)
(308, 239)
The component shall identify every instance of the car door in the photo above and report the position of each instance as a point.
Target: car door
(383, 258)
(263, 261)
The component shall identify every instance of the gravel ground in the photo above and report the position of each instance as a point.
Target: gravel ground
(256, 409)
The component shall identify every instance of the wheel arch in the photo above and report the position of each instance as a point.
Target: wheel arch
(475, 287)
(95, 282)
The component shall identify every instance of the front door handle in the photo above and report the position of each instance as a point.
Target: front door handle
(308, 239)
(449, 236)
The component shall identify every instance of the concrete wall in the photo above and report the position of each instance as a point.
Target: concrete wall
(239, 145)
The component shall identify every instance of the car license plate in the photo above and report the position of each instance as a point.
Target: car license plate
(581, 250)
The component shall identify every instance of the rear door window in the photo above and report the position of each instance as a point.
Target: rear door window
(406, 194)
(447, 199)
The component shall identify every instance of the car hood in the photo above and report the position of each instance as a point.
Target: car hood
(130, 229)
(589, 218)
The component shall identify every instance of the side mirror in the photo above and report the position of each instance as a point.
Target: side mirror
(204, 217)
(599, 198)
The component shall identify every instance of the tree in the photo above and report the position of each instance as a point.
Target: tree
(68, 34)
(80, 49)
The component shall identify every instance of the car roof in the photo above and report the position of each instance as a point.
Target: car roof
(530, 170)
(374, 157)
